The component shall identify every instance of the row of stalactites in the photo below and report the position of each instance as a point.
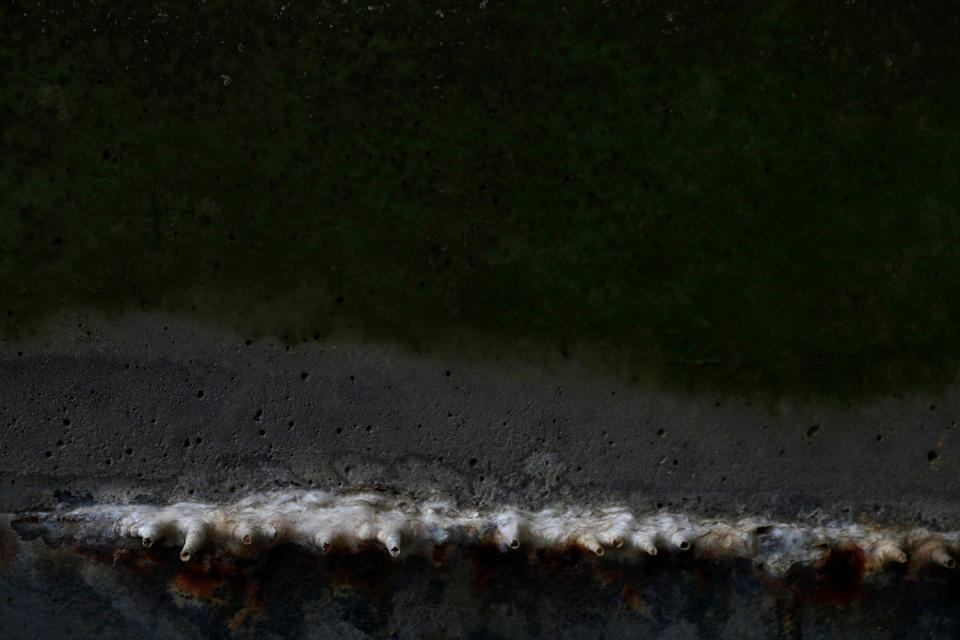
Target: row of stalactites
(195, 527)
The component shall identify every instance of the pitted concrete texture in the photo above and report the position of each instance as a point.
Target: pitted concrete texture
(157, 409)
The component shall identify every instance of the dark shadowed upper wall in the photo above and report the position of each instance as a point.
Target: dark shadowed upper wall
(749, 197)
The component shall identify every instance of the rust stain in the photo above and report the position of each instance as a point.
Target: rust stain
(341, 580)
(217, 580)
(841, 575)
(253, 605)
(838, 579)
(367, 571)
(605, 576)
(631, 596)
(787, 606)
(8, 547)
(202, 584)
(132, 561)
(438, 554)
(571, 562)
(485, 560)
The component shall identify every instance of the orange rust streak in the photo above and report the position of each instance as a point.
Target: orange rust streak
(634, 601)
(204, 579)
(253, 604)
(200, 586)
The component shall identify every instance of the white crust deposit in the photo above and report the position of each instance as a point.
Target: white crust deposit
(327, 522)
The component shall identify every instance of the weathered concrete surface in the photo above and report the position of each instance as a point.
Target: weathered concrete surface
(151, 408)
(756, 199)
(157, 409)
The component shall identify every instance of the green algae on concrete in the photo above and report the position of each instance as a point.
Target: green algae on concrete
(757, 198)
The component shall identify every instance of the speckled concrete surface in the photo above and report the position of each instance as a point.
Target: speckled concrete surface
(144, 405)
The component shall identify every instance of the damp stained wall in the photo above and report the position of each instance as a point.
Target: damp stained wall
(681, 255)
(757, 198)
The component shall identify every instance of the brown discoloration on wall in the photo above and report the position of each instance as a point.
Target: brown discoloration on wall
(253, 606)
(438, 554)
(367, 573)
(8, 546)
(841, 576)
(236, 595)
(633, 600)
(485, 560)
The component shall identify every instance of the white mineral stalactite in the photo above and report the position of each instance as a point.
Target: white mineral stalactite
(150, 534)
(926, 550)
(614, 526)
(645, 539)
(194, 536)
(507, 530)
(675, 532)
(244, 533)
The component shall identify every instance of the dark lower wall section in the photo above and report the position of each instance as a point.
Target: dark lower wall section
(149, 408)
(477, 593)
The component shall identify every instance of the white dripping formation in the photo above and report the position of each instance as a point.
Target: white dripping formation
(349, 521)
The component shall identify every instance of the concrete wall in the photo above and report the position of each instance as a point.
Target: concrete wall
(671, 256)
(147, 408)
(145, 405)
